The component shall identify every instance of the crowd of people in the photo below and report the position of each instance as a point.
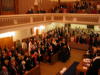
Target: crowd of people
(77, 7)
(34, 10)
(26, 55)
(84, 37)
(30, 52)
(93, 52)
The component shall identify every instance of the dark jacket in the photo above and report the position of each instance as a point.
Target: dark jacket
(93, 70)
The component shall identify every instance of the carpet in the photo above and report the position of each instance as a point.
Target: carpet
(72, 69)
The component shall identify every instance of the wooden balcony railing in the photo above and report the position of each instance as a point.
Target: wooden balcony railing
(12, 21)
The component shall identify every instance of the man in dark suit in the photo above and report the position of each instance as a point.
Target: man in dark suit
(22, 68)
(50, 52)
(65, 53)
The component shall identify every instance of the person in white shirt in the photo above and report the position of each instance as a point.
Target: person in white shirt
(30, 46)
(24, 45)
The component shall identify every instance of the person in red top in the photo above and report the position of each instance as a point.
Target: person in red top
(35, 56)
(4, 71)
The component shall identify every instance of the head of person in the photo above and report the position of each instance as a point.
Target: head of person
(23, 62)
(42, 46)
(38, 49)
(26, 54)
(13, 63)
(64, 46)
(4, 68)
(6, 62)
(9, 54)
(50, 48)
(23, 40)
(35, 53)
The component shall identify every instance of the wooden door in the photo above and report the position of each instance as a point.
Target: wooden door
(6, 42)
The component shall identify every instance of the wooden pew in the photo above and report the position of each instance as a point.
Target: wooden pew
(34, 71)
(55, 57)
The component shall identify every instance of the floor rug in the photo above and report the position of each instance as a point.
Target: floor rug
(72, 69)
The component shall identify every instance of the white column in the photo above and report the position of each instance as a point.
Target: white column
(44, 18)
(99, 20)
(74, 19)
(15, 21)
(52, 17)
(31, 19)
(64, 18)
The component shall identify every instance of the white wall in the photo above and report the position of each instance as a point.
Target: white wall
(97, 28)
(81, 26)
(21, 34)
(24, 33)
(53, 26)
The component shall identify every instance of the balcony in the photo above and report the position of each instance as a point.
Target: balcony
(9, 22)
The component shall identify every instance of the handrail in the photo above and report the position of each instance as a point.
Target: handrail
(19, 15)
(46, 14)
(13, 21)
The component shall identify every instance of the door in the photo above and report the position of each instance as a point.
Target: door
(6, 42)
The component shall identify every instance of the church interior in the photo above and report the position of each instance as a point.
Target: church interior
(49, 37)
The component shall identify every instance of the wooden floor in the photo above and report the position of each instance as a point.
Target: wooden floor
(52, 69)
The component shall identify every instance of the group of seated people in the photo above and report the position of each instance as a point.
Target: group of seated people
(26, 55)
(93, 53)
(85, 7)
(83, 37)
(77, 7)
(32, 11)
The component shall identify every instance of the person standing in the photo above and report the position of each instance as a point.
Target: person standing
(30, 47)
(18, 44)
(24, 45)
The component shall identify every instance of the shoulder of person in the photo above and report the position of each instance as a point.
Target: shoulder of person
(97, 57)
